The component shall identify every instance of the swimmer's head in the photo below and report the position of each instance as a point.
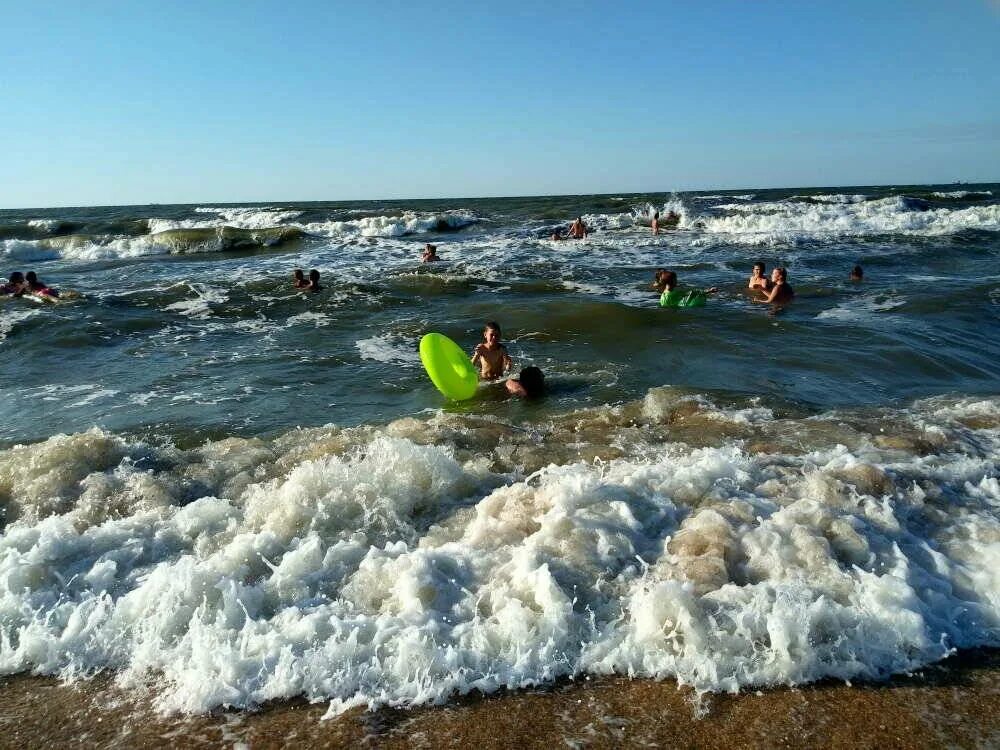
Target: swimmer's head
(779, 274)
(491, 332)
(759, 267)
(314, 276)
(857, 274)
(533, 381)
(31, 277)
(17, 278)
(668, 279)
(298, 275)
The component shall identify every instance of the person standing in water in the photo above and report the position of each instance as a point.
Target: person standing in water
(578, 230)
(758, 279)
(656, 222)
(491, 356)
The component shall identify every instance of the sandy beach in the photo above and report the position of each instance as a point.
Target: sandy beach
(953, 704)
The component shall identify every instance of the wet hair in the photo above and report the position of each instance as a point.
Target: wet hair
(297, 274)
(857, 273)
(669, 279)
(314, 275)
(429, 248)
(532, 380)
(16, 278)
(656, 214)
(782, 273)
(492, 325)
(31, 277)
(760, 264)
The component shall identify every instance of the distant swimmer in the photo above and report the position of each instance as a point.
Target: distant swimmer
(15, 285)
(857, 274)
(34, 286)
(578, 230)
(758, 279)
(313, 285)
(491, 356)
(674, 296)
(429, 254)
(656, 222)
(530, 383)
(781, 291)
(299, 279)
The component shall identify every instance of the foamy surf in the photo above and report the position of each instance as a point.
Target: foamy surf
(401, 565)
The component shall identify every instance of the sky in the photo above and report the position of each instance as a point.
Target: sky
(115, 103)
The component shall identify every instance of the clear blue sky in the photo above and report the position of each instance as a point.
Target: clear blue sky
(135, 102)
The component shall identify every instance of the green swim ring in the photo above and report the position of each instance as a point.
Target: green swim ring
(683, 298)
(448, 367)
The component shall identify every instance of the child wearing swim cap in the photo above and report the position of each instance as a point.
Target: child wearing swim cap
(491, 356)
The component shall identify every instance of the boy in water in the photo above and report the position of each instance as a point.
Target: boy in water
(781, 291)
(430, 254)
(529, 384)
(299, 279)
(758, 279)
(491, 356)
(34, 286)
(15, 285)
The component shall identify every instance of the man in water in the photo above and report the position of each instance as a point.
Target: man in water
(857, 274)
(578, 230)
(34, 286)
(529, 384)
(430, 254)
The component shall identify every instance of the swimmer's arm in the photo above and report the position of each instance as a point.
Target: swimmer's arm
(507, 361)
(769, 296)
(477, 354)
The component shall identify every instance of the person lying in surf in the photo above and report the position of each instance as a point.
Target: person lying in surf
(15, 285)
(530, 383)
(781, 291)
(758, 278)
(675, 296)
(313, 284)
(491, 356)
(34, 286)
(429, 254)
(299, 279)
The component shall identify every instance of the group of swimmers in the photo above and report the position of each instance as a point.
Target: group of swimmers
(774, 288)
(299, 280)
(20, 283)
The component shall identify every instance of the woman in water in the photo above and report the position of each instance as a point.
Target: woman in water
(491, 356)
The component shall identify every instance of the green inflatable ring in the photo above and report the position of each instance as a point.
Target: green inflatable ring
(682, 298)
(448, 367)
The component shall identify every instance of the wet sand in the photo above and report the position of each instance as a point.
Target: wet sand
(954, 704)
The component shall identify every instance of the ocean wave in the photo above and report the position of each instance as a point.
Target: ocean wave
(397, 225)
(671, 537)
(238, 218)
(173, 241)
(832, 198)
(746, 197)
(964, 195)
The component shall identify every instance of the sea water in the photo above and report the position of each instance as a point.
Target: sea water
(232, 492)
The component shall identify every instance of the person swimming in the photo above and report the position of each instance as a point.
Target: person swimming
(530, 383)
(578, 230)
(781, 291)
(491, 356)
(429, 255)
(313, 285)
(556, 236)
(34, 286)
(15, 285)
(299, 279)
(673, 296)
(758, 278)
(857, 274)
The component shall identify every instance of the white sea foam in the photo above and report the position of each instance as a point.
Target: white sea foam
(200, 306)
(397, 225)
(388, 348)
(747, 197)
(364, 568)
(959, 194)
(832, 198)
(10, 316)
(240, 218)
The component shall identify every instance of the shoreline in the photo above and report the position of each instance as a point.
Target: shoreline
(955, 703)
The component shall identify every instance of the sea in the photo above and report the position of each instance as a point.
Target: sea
(225, 491)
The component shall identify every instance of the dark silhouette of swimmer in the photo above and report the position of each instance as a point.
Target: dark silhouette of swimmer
(857, 274)
(313, 285)
(15, 285)
(34, 286)
(530, 383)
(429, 254)
(299, 279)
(781, 291)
